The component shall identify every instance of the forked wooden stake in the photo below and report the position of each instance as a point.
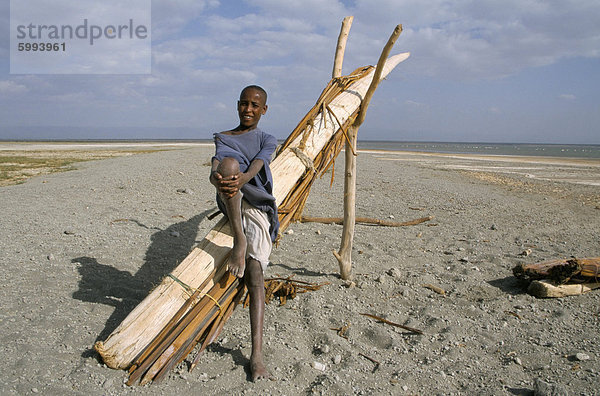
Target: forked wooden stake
(344, 255)
(341, 47)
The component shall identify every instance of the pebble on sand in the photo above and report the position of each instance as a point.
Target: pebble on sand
(319, 366)
(582, 356)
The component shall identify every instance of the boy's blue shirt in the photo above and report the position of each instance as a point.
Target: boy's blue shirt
(245, 148)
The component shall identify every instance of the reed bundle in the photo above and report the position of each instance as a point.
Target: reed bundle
(195, 322)
(202, 323)
(285, 288)
(291, 208)
(191, 305)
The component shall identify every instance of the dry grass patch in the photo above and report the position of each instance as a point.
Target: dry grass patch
(19, 165)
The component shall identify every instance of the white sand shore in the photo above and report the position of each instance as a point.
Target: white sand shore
(78, 250)
(554, 169)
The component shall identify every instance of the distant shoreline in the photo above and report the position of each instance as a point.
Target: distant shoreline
(576, 151)
(360, 141)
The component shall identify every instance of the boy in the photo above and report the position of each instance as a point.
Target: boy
(240, 172)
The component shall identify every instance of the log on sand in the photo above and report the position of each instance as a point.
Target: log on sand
(561, 277)
(548, 289)
(310, 149)
(561, 270)
(365, 220)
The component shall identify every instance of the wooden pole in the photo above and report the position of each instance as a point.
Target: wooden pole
(341, 47)
(349, 157)
(344, 255)
(377, 77)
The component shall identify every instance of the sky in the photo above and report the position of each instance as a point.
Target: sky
(523, 71)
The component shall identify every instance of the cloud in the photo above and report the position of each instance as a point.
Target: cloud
(567, 97)
(472, 40)
(415, 104)
(204, 51)
(11, 87)
(315, 13)
(72, 97)
(170, 17)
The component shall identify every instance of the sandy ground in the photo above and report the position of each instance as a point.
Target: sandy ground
(20, 161)
(80, 249)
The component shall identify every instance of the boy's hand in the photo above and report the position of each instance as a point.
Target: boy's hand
(228, 186)
(215, 178)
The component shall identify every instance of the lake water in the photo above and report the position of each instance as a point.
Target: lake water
(546, 150)
(578, 164)
(542, 150)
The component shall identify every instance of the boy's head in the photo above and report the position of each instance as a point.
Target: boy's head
(251, 106)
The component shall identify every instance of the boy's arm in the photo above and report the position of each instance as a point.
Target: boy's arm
(231, 185)
(214, 176)
(222, 184)
(268, 147)
(242, 178)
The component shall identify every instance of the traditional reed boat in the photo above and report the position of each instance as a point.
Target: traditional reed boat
(200, 290)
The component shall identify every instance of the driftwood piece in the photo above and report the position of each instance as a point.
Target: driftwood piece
(562, 270)
(560, 278)
(218, 327)
(341, 331)
(164, 347)
(318, 139)
(380, 319)
(365, 220)
(146, 321)
(435, 289)
(188, 340)
(548, 289)
(285, 288)
(377, 363)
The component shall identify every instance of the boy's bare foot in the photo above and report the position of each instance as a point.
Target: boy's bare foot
(237, 260)
(258, 369)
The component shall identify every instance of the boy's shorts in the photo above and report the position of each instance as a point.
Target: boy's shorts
(256, 227)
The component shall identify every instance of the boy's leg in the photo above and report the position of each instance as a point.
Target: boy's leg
(237, 261)
(256, 289)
